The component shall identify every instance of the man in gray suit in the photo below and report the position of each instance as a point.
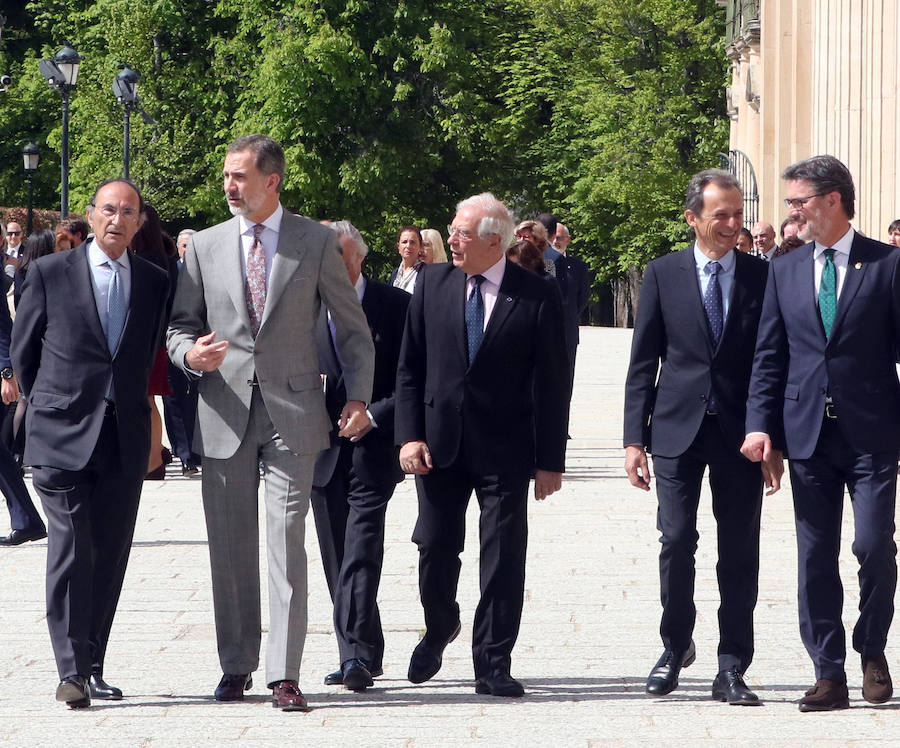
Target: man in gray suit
(243, 321)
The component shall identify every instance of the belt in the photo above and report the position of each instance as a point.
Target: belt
(711, 413)
(830, 412)
(110, 411)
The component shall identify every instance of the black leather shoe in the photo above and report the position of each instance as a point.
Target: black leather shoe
(427, 659)
(355, 676)
(232, 687)
(663, 678)
(189, 468)
(499, 683)
(337, 677)
(729, 686)
(17, 537)
(74, 691)
(100, 689)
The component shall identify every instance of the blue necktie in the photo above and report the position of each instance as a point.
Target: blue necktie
(475, 318)
(115, 308)
(712, 302)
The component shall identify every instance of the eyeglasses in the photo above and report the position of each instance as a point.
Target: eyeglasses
(13, 233)
(800, 202)
(464, 234)
(126, 213)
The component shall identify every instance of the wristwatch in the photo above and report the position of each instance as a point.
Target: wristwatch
(6, 373)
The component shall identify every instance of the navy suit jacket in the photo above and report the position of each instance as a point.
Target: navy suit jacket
(375, 458)
(507, 412)
(672, 338)
(795, 367)
(63, 365)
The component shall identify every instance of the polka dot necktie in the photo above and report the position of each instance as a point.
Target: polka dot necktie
(256, 280)
(475, 317)
(828, 292)
(712, 302)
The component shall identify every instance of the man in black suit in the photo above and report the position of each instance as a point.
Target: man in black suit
(696, 329)
(825, 368)
(578, 292)
(87, 328)
(482, 395)
(355, 478)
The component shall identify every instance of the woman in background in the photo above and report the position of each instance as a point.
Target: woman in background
(409, 247)
(432, 247)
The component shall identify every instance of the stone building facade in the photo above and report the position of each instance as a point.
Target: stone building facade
(811, 77)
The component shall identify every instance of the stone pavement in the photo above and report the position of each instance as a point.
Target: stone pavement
(588, 638)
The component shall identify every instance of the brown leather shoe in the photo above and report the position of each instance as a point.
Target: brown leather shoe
(825, 696)
(287, 697)
(877, 687)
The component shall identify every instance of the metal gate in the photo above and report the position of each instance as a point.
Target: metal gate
(737, 163)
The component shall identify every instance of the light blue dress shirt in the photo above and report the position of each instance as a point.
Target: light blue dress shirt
(726, 275)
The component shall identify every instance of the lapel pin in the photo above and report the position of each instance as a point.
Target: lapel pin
(509, 298)
(858, 265)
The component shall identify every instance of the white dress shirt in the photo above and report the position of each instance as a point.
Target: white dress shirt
(726, 276)
(268, 237)
(490, 287)
(841, 257)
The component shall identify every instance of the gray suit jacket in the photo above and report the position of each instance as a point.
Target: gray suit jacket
(307, 271)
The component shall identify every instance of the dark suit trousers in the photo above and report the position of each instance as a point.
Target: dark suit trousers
(180, 410)
(440, 534)
(22, 514)
(349, 519)
(91, 515)
(818, 487)
(736, 485)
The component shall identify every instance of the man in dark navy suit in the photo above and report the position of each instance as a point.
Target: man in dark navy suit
(685, 395)
(87, 328)
(825, 369)
(481, 405)
(355, 478)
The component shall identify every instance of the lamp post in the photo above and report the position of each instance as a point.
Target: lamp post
(31, 155)
(125, 89)
(61, 72)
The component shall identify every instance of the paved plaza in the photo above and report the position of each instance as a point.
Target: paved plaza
(588, 638)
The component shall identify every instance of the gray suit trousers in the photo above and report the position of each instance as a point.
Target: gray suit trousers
(230, 492)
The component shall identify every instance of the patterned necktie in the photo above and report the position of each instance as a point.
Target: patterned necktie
(712, 302)
(828, 292)
(115, 307)
(475, 318)
(256, 280)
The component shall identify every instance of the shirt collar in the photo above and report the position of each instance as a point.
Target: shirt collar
(842, 245)
(495, 272)
(360, 287)
(272, 222)
(725, 263)
(97, 256)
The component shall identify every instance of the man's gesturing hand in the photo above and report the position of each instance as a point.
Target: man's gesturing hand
(206, 355)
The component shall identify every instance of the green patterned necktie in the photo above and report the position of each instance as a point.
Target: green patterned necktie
(828, 292)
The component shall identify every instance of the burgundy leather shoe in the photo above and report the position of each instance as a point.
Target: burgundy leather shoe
(232, 687)
(287, 697)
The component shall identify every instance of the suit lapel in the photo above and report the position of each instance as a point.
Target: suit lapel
(454, 307)
(688, 271)
(82, 292)
(857, 264)
(138, 298)
(287, 259)
(230, 266)
(800, 284)
(325, 345)
(507, 295)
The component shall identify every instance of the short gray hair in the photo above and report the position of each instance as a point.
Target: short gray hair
(186, 232)
(345, 228)
(693, 199)
(826, 174)
(496, 219)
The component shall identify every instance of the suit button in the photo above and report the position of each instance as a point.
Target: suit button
(702, 398)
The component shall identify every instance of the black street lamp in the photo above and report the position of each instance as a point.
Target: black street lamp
(125, 88)
(61, 72)
(31, 155)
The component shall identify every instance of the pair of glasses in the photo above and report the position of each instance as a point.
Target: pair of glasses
(13, 233)
(110, 210)
(800, 202)
(464, 234)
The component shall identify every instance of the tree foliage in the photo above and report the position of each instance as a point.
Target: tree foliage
(389, 111)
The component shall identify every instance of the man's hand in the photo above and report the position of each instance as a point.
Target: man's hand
(9, 390)
(206, 355)
(354, 422)
(415, 458)
(545, 483)
(772, 470)
(757, 447)
(637, 468)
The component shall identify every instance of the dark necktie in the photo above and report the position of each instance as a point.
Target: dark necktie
(256, 280)
(712, 302)
(475, 318)
(828, 292)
